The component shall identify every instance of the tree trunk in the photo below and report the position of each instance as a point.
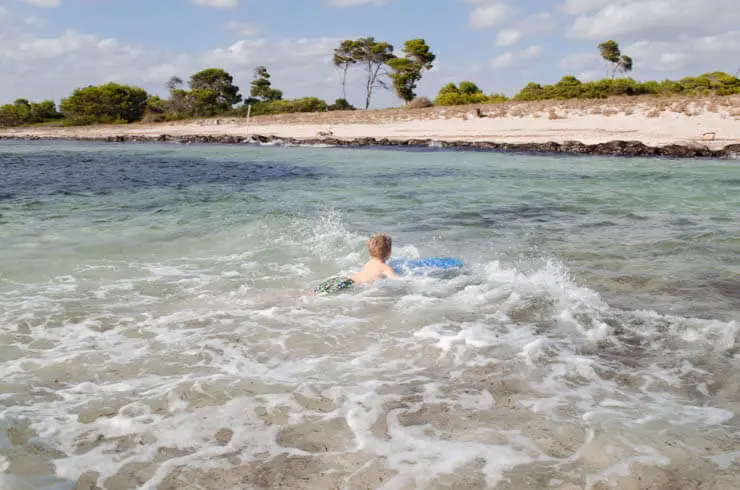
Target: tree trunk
(369, 88)
(344, 82)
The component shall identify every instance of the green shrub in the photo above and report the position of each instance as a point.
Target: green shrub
(532, 91)
(22, 112)
(467, 93)
(669, 87)
(420, 103)
(14, 114)
(306, 104)
(105, 103)
(468, 88)
(569, 87)
(341, 105)
(450, 88)
(460, 99)
(156, 117)
(88, 120)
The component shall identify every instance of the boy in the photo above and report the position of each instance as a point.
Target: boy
(379, 248)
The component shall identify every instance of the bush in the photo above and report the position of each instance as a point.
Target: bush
(306, 104)
(14, 114)
(459, 99)
(497, 99)
(420, 103)
(88, 120)
(22, 112)
(569, 87)
(105, 103)
(341, 105)
(469, 88)
(156, 117)
(467, 93)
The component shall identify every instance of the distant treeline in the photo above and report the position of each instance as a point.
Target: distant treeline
(211, 92)
(569, 87)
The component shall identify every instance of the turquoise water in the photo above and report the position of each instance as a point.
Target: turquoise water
(154, 295)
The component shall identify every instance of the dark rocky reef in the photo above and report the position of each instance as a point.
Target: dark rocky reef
(611, 148)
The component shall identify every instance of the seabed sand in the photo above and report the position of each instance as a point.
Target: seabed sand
(322, 454)
(706, 122)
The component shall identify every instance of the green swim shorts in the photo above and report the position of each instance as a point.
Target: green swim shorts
(333, 284)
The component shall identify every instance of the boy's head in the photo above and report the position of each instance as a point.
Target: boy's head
(379, 246)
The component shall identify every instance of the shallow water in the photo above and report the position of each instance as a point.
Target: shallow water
(154, 331)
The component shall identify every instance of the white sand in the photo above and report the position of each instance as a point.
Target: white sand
(536, 127)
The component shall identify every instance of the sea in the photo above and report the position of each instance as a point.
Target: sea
(158, 331)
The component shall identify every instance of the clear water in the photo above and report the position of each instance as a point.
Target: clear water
(155, 332)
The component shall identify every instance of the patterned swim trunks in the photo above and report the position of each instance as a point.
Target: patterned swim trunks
(333, 284)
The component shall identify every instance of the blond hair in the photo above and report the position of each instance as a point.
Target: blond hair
(379, 246)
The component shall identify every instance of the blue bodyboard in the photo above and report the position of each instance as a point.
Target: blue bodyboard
(422, 266)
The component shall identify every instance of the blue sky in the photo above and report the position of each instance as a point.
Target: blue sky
(49, 47)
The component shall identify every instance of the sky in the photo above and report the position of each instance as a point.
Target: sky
(50, 47)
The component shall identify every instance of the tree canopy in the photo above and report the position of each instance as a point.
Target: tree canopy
(407, 70)
(346, 55)
(212, 90)
(262, 87)
(611, 53)
(373, 56)
(378, 61)
(106, 103)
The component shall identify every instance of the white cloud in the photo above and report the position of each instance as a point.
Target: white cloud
(488, 15)
(586, 66)
(583, 6)
(219, 4)
(355, 3)
(243, 29)
(727, 42)
(657, 60)
(665, 38)
(44, 3)
(687, 55)
(508, 37)
(653, 19)
(34, 21)
(516, 58)
(535, 25)
(37, 67)
(40, 67)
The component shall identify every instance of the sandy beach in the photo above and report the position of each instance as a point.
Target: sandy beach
(712, 123)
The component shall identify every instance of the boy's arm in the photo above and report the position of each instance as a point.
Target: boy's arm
(388, 271)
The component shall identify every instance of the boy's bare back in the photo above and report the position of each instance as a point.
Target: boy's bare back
(373, 270)
(379, 248)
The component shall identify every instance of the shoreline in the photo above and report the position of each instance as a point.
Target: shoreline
(674, 128)
(617, 148)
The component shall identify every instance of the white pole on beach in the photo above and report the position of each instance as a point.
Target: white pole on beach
(249, 113)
